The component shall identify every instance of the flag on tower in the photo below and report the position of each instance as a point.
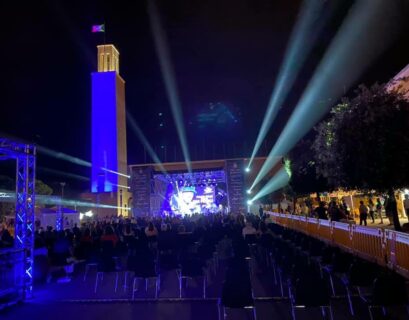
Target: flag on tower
(98, 28)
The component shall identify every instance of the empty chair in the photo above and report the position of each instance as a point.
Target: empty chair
(92, 259)
(191, 267)
(237, 292)
(389, 290)
(206, 252)
(240, 248)
(144, 267)
(310, 291)
(339, 266)
(360, 277)
(107, 263)
(251, 239)
(168, 261)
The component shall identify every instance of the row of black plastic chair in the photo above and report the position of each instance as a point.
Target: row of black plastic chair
(147, 264)
(302, 262)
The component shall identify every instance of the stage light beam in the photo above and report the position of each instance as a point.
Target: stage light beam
(10, 196)
(116, 172)
(356, 45)
(278, 181)
(135, 128)
(62, 156)
(162, 50)
(308, 26)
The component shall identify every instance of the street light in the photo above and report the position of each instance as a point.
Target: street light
(60, 222)
(62, 184)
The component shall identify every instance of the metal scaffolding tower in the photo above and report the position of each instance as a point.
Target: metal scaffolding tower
(25, 156)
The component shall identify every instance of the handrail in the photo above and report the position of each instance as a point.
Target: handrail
(386, 247)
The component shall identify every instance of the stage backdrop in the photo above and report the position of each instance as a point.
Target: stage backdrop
(141, 190)
(235, 184)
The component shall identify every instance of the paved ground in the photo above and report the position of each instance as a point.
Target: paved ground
(384, 225)
(77, 300)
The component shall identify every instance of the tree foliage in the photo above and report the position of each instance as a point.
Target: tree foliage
(42, 188)
(304, 179)
(365, 142)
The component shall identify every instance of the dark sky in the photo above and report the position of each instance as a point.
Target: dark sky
(226, 55)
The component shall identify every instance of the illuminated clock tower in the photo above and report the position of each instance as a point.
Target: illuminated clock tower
(109, 177)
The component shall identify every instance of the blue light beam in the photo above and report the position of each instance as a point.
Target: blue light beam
(307, 28)
(10, 196)
(280, 180)
(63, 156)
(162, 50)
(369, 28)
(135, 128)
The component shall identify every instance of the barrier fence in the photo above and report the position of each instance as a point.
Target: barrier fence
(386, 247)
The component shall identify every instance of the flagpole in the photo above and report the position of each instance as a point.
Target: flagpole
(104, 31)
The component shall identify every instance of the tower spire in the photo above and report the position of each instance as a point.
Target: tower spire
(108, 58)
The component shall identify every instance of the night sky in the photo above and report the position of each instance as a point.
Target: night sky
(226, 55)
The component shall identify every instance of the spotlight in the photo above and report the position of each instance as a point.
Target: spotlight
(249, 191)
(247, 169)
(249, 202)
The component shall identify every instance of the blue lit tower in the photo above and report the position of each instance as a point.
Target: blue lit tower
(109, 159)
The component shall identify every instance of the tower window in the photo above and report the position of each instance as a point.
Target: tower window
(101, 62)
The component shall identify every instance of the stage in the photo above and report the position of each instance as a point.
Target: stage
(212, 186)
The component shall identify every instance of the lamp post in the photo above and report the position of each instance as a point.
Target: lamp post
(60, 223)
(62, 184)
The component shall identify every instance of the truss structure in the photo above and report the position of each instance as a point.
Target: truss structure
(25, 156)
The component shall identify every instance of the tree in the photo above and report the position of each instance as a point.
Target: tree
(365, 143)
(42, 188)
(304, 178)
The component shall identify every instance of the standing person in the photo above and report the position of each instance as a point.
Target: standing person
(363, 213)
(261, 211)
(390, 206)
(345, 208)
(332, 211)
(305, 209)
(379, 209)
(248, 229)
(321, 211)
(371, 206)
(406, 205)
(150, 230)
(284, 205)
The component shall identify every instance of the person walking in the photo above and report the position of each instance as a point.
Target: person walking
(363, 213)
(371, 206)
(379, 209)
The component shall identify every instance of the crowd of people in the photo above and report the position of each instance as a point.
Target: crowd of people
(77, 243)
(6, 239)
(338, 210)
